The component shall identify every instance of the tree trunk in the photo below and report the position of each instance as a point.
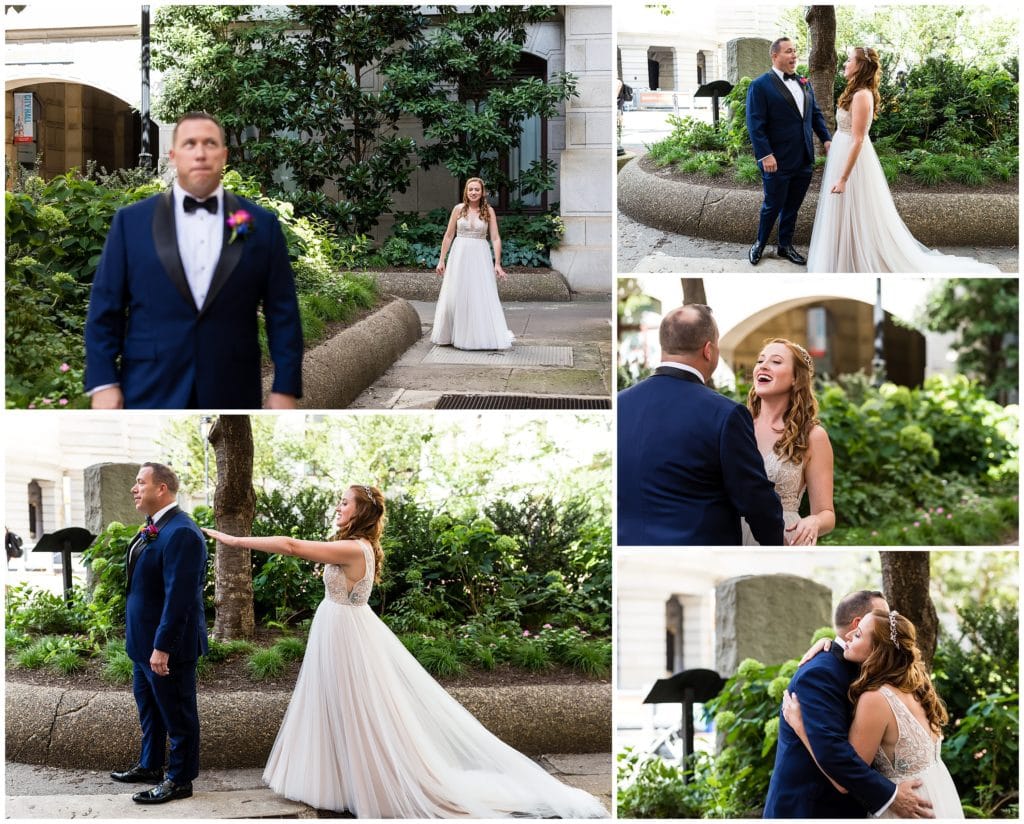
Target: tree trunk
(234, 505)
(821, 61)
(693, 290)
(905, 579)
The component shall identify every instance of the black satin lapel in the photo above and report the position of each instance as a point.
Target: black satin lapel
(129, 564)
(786, 93)
(230, 253)
(165, 239)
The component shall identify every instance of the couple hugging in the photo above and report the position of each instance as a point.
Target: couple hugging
(697, 469)
(864, 699)
(856, 227)
(367, 729)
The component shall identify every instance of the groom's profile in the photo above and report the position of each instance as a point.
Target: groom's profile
(688, 465)
(798, 788)
(782, 119)
(173, 320)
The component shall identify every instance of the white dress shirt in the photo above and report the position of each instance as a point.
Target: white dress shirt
(682, 366)
(794, 87)
(200, 240)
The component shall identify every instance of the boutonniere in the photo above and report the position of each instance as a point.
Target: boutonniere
(149, 532)
(240, 223)
(802, 80)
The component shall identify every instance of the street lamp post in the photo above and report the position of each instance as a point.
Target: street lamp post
(205, 425)
(145, 156)
(878, 361)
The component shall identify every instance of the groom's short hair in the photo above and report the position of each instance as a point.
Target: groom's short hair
(198, 115)
(163, 474)
(776, 45)
(682, 333)
(855, 605)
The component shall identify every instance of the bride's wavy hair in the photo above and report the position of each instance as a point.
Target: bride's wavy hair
(367, 522)
(868, 76)
(485, 207)
(802, 414)
(895, 660)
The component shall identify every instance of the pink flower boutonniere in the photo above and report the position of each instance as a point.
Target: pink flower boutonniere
(802, 80)
(240, 223)
(149, 532)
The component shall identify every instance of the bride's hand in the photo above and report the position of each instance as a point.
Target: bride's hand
(500, 272)
(821, 645)
(791, 712)
(839, 187)
(440, 268)
(803, 533)
(222, 537)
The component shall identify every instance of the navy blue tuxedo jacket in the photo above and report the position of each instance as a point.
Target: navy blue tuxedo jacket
(776, 127)
(688, 467)
(143, 329)
(165, 593)
(798, 789)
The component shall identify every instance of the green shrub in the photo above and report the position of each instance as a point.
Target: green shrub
(66, 662)
(291, 649)
(30, 609)
(117, 666)
(265, 663)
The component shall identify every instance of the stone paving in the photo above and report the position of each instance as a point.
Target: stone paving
(48, 792)
(413, 382)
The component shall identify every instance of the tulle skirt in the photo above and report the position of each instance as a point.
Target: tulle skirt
(369, 731)
(790, 517)
(468, 314)
(861, 231)
(937, 786)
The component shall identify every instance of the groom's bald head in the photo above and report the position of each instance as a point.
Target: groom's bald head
(689, 335)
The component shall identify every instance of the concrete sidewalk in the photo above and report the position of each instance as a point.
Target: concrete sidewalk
(562, 349)
(47, 792)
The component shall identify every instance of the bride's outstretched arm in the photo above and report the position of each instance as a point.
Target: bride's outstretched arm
(320, 552)
(818, 476)
(860, 112)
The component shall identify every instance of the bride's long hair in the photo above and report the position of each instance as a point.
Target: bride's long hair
(895, 660)
(802, 414)
(485, 207)
(367, 522)
(868, 76)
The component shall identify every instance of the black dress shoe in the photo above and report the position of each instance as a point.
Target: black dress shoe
(163, 792)
(754, 255)
(792, 255)
(139, 775)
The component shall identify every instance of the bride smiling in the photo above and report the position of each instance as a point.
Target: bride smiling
(796, 450)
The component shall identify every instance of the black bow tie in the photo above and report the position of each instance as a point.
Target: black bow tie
(788, 76)
(191, 204)
(149, 520)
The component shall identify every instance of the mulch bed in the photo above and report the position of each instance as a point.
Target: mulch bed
(903, 184)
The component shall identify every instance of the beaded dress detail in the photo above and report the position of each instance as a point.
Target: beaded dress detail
(788, 478)
(468, 314)
(369, 731)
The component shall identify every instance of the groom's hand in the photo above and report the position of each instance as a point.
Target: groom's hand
(908, 804)
(109, 398)
(159, 662)
(278, 400)
(828, 145)
(769, 163)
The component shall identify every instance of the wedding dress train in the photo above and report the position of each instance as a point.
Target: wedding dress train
(788, 478)
(917, 756)
(860, 230)
(468, 314)
(369, 731)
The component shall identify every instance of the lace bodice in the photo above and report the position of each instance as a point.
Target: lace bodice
(788, 478)
(468, 227)
(915, 750)
(337, 585)
(844, 121)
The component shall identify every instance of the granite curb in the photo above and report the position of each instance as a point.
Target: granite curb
(99, 730)
(718, 213)
(547, 287)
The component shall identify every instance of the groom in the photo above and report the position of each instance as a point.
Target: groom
(688, 465)
(781, 117)
(165, 635)
(175, 304)
(798, 788)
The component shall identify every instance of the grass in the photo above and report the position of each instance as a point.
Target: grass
(266, 663)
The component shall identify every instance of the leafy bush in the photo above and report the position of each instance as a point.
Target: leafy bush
(30, 609)
(265, 663)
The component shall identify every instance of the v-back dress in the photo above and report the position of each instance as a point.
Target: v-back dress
(861, 230)
(468, 314)
(917, 756)
(788, 478)
(369, 731)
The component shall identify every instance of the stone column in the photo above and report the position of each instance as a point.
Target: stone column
(74, 126)
(747, 57)
(585, 254)
(107, 491)
(634, 66)
(767, 617)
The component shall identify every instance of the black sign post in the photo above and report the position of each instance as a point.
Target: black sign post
(66, 541)
(715, 89)
(688, 687)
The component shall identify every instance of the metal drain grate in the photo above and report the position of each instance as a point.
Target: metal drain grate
(518, 355)
(520, 402)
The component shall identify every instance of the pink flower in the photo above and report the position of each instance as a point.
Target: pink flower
(526, 633)
(547, 626)
(63, 401)
(47, 401)
(917, 523)
(31, 406)
(939, 511)
(240, 222)
(65, 368)
(949, 517)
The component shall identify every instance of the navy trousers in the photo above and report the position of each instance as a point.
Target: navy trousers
(783, 194)
(168, 710)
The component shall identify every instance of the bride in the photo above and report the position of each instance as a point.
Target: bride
(468, 312)
(367, 729)
(795, 447)
(898, 717)
(857, 227)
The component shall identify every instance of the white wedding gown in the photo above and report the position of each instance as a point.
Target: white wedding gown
(468, 314)
(369, 731)
(860, 230)
(788, 478)
(917, 756)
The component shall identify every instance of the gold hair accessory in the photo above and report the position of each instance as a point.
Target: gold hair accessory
(806, 356)
(892, 627)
